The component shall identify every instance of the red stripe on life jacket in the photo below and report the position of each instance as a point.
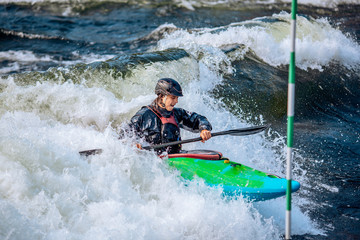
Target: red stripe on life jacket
(163, 119)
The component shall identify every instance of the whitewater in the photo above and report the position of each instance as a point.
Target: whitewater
(63, 91)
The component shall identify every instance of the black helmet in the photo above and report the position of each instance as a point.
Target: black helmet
(168, 86)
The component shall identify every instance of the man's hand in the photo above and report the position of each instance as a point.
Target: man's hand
(205, 135)
(138, 145)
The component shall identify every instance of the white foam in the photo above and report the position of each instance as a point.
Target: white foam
(122, 193)
(324, 3)
(67, 103)
(332, 189)
(191, 4)
(25, 58)
(12, 67)
(317, 45)
(30, 56)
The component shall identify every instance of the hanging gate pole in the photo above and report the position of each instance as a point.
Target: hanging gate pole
(290, 120)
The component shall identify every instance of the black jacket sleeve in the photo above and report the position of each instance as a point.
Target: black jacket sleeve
(191, 121)
(145, 124)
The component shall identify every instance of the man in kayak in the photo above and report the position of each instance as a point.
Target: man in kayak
(160, 122)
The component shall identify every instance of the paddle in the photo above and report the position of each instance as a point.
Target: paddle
(90, 152)
(233, 132)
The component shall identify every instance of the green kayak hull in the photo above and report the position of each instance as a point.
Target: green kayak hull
(233, 178)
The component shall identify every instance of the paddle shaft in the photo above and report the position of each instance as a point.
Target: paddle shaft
(233, 132)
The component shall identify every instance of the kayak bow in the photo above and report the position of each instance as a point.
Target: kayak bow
(235, 179)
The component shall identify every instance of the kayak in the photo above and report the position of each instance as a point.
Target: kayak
(233, 178)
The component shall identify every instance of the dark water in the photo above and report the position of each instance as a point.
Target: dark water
(327, 126)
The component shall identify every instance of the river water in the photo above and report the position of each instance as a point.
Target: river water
(72, 73)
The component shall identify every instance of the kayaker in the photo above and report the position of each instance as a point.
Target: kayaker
(160, 122)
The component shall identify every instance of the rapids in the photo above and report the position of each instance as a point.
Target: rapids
(73, 73)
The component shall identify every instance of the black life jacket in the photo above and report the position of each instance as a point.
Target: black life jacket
(170, 131)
